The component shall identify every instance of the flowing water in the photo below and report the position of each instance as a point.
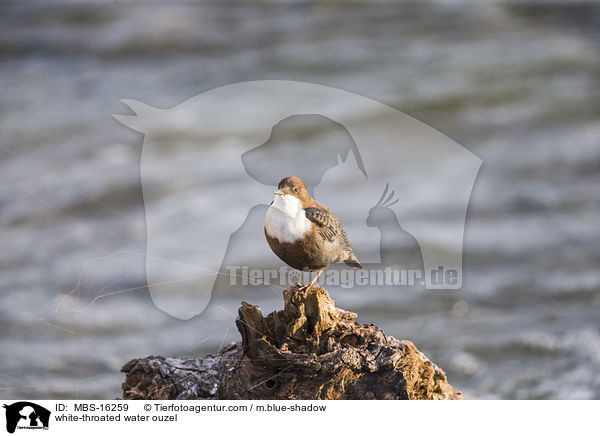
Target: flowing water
(516, 83)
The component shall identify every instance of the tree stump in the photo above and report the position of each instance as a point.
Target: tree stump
(308, 350)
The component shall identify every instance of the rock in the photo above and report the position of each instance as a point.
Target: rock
(308, 350)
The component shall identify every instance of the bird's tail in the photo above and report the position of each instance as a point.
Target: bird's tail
(353, 262)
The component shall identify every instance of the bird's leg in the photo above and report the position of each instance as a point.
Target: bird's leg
(315, 279)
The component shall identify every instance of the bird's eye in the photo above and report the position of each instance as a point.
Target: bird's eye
(296, 189)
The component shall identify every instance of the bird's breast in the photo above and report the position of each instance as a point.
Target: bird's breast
(284, 227)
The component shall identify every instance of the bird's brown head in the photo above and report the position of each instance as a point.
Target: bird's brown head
(293, 186)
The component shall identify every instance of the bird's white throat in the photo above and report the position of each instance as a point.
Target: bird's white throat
(286, 220)
(287, 204)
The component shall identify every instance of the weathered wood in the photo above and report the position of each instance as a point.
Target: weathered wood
(308, 350)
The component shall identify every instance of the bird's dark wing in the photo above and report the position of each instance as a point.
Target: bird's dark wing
(327, 223)
(330, 228)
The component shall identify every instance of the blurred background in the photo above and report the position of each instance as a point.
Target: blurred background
(517, 83)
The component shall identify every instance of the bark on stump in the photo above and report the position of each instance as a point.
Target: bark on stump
(308, 350)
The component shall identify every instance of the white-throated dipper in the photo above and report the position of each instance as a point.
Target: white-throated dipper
(304, 233)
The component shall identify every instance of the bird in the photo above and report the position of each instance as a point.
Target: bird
(304, 233)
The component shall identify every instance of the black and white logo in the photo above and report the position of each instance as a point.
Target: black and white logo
(26, 415)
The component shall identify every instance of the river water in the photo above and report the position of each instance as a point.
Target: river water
(518, 84)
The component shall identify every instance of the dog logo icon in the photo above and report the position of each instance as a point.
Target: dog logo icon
(26, 415)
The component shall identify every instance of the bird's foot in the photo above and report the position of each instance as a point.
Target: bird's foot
(301, 287)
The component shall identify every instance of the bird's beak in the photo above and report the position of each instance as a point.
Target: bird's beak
(278, 192)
